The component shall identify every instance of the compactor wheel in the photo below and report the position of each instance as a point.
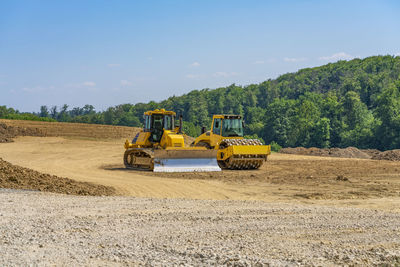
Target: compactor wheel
(241, 162)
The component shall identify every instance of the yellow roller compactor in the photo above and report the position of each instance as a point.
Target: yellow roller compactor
(160, 147)
(233, 151)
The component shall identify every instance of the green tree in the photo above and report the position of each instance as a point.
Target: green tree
(44, 111)
(388, 112)
(54, 112)
(278, 122)
(358, 121)
(321, 133)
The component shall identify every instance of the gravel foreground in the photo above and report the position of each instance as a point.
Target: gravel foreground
(50, 229)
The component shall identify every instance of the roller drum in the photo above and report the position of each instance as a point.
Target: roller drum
(241, 162)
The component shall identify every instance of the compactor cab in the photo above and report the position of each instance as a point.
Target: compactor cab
(222, 127)
(228, 126)
(233, 150)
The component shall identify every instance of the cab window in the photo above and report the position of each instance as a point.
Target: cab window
(147, 123)
(157, 122)
(157, 128)
(232, 127)
(217, 126)
(168, 125)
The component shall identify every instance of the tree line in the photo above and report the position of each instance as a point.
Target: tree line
(347, 103)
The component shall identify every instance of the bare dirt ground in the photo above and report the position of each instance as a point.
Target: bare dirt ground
(81, 130)
(8, 132)
(348, 152)
(283, 178)
(296, 209)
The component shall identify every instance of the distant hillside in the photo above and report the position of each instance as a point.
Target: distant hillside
(347, 103)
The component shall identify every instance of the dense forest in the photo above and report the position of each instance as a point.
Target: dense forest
(347, 103)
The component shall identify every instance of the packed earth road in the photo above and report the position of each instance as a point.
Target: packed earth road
(294, 210)
(39, 228)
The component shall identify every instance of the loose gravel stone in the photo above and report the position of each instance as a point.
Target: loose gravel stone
(51, 229)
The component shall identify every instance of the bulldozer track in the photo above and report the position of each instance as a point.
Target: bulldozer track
(132, 154)
(241, 162)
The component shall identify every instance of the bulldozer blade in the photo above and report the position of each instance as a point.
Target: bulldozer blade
(186, 165)
(186, 160)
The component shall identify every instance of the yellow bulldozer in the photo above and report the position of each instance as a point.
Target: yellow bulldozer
(233, 150)
(160, 147)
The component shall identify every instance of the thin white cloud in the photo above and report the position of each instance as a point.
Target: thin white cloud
(195, 64)
(125, 82)
(35, 89)
(294, 59)
(224, 74)
(193, 76)
(114, 65)
(259, 62)
(149, 58)
(337, 56)
(397, 54)
(89, 84)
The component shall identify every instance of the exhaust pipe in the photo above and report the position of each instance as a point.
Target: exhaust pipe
(180, 123)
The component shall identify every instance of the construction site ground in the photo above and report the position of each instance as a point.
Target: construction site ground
(338, 189)
(285, 177)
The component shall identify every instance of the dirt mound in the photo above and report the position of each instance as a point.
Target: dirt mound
(16, 177)
(188, 140)
(8, 132)
(349, 152)
(80, 130)
(393, 155)
(372, 152)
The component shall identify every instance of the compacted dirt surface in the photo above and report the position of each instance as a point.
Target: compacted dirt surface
(39, 228)
(283, 177)
(294, 210)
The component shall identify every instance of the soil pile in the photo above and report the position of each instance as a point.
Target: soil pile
(8, 132)
(16, 177)
(80, 130)
(393, 155)
(188, 140)
(349, 152)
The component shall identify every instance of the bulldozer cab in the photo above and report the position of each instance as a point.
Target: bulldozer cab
(160, 147)
(157, 122)
(228, 125)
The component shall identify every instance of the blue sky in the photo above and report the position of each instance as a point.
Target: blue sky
(106, 53)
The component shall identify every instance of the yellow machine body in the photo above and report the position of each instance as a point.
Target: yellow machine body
(230, 151)
(160, 147)
(233, 150)
(169, 139)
